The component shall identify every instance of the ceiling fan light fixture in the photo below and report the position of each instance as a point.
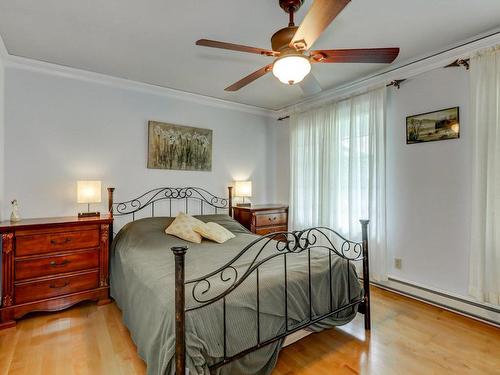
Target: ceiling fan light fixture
(291, 69)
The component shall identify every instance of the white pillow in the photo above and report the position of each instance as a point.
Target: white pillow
(183, 226)
(214, 232)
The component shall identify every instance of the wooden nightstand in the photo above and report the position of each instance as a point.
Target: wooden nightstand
(263, 219)
(51, 264)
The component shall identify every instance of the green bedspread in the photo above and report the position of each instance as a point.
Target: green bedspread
(142, 283)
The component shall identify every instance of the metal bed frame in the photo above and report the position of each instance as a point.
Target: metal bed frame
(286, 244)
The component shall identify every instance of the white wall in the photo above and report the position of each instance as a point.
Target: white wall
(61, 129)
(429, 185)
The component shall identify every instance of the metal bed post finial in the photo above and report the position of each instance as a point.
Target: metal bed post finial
(180, 310)
(230, 191)
(110, 212)
(366, 273)
(110, 200)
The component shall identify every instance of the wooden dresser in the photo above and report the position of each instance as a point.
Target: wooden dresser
(51, 264)
(263, 219)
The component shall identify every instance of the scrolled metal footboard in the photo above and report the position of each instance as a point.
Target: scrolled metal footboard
(231, 276)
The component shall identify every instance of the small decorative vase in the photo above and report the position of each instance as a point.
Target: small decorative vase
(14, 216)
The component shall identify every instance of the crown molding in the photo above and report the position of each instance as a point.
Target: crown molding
(404, 70)
(122, 83)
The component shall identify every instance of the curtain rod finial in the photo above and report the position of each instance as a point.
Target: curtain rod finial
(458, 63)
(396, 83)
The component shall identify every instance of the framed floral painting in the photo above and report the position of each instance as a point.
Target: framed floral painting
(179, 147)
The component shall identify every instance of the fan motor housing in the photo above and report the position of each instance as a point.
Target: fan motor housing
(291, 5)
(281, 39)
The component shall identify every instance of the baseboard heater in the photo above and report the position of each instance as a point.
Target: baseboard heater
(485, 313)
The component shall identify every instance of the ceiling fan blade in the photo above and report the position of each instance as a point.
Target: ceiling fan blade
(363, 55)
(310, 85)
(235, 47)
(249, 78)
(320, 15)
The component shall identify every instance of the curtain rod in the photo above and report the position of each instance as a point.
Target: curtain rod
(396, 83)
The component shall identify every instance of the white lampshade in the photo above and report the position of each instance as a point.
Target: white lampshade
(243, 188)
(88, 191)
(291, 69)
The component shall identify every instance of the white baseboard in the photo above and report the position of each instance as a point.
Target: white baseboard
(486, 313)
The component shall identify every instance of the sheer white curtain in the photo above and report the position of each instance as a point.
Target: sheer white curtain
(484, 275)
(337, 174)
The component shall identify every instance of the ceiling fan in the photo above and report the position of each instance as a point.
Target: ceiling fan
(291, 47)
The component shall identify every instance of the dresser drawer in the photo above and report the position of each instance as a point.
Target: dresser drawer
(51, 242)
(53, 287)
(279, 218)
(267, 230)
(55, 264)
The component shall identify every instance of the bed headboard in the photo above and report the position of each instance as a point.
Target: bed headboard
(150, 198)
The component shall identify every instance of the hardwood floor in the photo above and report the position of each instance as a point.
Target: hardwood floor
(408, 337)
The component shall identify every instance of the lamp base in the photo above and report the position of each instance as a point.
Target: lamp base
(88, 214)
(243, 204)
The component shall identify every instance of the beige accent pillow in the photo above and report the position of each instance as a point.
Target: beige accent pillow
(214, 232)
(182, 227)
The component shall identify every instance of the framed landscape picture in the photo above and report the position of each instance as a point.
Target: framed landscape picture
(433, 126)
(179, 147)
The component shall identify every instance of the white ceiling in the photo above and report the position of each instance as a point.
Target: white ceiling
(152, 41)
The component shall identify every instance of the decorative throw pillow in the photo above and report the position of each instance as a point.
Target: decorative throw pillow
(182, 227)
(214, 232)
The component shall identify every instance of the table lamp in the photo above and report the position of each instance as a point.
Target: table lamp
(88, 192)
(243, 189)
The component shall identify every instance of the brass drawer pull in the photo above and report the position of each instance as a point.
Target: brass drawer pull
(272, 218)
(55, 286)
(55, 264)
(66, 240)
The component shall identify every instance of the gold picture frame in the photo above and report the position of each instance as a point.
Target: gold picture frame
(433, 126)
(179, 147)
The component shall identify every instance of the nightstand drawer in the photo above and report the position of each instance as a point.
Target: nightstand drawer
(51, 265)
(51, 242)
(262, 220)
(267, 230)
(53, 287)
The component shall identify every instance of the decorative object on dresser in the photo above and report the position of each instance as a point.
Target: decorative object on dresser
(263, 219)
(14, 216)
(243, 189)
(51, 264)
(88, 192)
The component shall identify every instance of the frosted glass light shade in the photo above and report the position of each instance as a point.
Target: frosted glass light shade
(88, 191)
(291, 69)
(243, 188)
